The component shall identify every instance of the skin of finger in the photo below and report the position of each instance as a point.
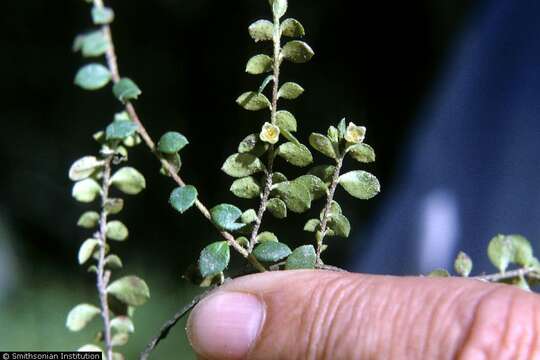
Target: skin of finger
(326, 315)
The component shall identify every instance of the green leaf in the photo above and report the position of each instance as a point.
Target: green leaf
(174, 161)
(292, 28)
(333, 135)
(119, 339)
(129, 180)
(92, 44)
(225, 217)
(172, 142)
(360, 184)
(323, 145)
(266, 236)
(290, 91)
(463, 264)
(501, 252)
(253, 101)
(183, 198)
(295, 195)
(119, 130)
(92, 77)
(246, 188)
(523, 252)
(122, 324)
(342, 128)
(126, 90)
(242, 165)
(86, 190)
(80, 316)
(439, 273)
(116, 230)
(102, 15)
(362, 153)
(253, 145)
(279, 7)
(277, 208)
(271, 251)
(297, 52)
(294, 154)
(286, 121)
(278, 177)
(261, 30)
(317, 188)
(312, 225)
(113, 262)
(259, 64)
(340, 225)
(248, 216)
(324, 172)
(334, 209)
(86, 250)
(88, 220)
(114, 205)
(214, 258)
(303, 257)
(130, 290)
(84, 167)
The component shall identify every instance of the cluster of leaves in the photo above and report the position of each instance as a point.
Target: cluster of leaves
(253, 165)
(504, 251)
(95, 180)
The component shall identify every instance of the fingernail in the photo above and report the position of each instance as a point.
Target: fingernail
(225, 325)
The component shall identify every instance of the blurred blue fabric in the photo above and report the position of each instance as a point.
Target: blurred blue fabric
(472, 170)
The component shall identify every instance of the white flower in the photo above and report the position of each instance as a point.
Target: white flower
(269, 133)
(355, 134)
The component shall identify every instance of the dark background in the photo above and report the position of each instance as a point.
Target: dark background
(375, 63)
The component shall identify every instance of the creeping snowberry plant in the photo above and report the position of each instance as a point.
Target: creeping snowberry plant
(259, 168)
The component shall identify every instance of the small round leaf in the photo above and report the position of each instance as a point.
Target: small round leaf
(225, 216)
(93, 77)
(172, 142)
(259, 64)
(297, 52)
(360, 184)
(271, 251)
(129, 180)
(80, 316)
(126, 90)
(214, 258)
(130, 290)
(303, 257)
(183, 198)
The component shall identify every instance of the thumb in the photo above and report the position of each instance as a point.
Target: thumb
(326, 315)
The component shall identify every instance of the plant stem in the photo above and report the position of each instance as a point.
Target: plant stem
(527, 272)
(329, 199)
(113, 68)
(103, 276)
(271, 151)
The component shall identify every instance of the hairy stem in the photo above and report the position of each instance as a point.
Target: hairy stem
(103, 275)
(329, 199)
(113, 67)
(271, 151)
(531, 273)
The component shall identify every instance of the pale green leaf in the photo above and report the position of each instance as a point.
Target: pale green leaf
(340, 225)
(271, 251)
(253, 101)
(80, 316)
(277, 208)
(116, 230)
(214, 258)
(297, 155)
(88, 220)
(242, 165)
(266, 236)
(292, 28)
(172, 142)
(303, 257)
(324, 172)
(102, 15)
(130, 290)
(501, 252)
(129, 180)
(463, 264)
(295, 195)
(122, 324)
(120, 130)
(225, 216)
(286, 121)
(259, 64)
(360, 184)
(93, 77)
(334, 209)
(246, 188)
(84, 167)
(114, 205)
(114, 262)
(248, 216)
(317, 188)
(323, 145)
(253, 145)
(279, 7)
(86, 190)
(86, 250)
(362, 153)
(92, 44)
(126, 90)
(119, 339)
(297, 52)
(261, 30)
(312, 225)
(439, 273)
(183, 198)
(290, 91)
